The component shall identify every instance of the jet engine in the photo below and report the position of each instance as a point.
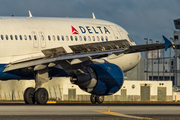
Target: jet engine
(100, 79)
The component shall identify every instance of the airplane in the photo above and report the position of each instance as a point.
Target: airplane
(94, 53)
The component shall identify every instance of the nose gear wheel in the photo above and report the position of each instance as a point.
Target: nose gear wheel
(96, 99)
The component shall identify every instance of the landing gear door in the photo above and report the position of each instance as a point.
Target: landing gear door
(35, 39)
(42, 39)
(117, 35)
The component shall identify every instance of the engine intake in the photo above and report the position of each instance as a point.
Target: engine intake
(86, 81)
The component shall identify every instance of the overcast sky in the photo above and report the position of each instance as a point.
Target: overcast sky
(141, 18)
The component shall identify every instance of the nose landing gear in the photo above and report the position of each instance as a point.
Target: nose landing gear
(96, 99)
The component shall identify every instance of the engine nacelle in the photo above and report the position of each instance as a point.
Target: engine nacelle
(100, 79)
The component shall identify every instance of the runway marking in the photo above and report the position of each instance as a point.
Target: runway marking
(119, 114)
(50, 102)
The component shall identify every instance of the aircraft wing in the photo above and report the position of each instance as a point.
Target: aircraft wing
(82, 55)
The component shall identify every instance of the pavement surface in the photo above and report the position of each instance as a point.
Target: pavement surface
(89, 111)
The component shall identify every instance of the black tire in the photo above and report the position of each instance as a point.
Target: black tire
(41, 96)
(93, 99)
(99, 99)
(29, 96)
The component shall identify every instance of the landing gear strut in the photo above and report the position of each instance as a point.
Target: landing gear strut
(31, 96)
(97, 99)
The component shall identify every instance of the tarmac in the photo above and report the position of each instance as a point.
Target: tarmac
(19, 110)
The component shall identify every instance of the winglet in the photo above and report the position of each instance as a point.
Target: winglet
(167, 43)
(30, 15)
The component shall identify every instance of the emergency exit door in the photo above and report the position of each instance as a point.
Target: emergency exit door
(35, 39)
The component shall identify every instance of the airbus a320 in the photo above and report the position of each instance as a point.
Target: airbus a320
(93, 53)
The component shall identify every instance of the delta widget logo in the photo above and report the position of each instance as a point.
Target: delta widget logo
(74, 31)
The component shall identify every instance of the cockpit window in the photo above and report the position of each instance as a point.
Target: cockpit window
(130, 38)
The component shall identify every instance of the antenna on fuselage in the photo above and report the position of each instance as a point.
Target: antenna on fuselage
(94, 17)
(30, 15)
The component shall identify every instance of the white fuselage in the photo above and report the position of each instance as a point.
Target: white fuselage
(24, 38)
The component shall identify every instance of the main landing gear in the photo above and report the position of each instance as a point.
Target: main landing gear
(38, 94)
(97, 99)
(31, 96)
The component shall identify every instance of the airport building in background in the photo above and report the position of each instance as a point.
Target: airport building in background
(62, 89)
(156, 67)
(177, 52)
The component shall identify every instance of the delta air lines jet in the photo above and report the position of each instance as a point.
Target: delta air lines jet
(93, 53)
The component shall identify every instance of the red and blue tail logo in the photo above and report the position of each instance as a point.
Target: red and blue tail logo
(74, 31)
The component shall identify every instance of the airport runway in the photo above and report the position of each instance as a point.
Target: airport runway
(88, 111)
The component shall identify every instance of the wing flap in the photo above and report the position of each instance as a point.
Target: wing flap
(99, 46)
(54, 52)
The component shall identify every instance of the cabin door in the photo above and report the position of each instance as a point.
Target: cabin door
(42, 39)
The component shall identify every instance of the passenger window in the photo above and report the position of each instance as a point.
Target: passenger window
(49, 38)
(58, 38)
(29, 37)
(80, 38)
(20, 37)
(42, 37)
(102, 38)
(25, 37)
(97, 38)
(67, 38)
(62, 38)
(71, 38)
(84, 38)
(6, 37)
(35, 38)
(93, 38)
(16, 37)
(54, 38)
(106, 38)
(76, 38)
(11, 37)
(2, 37)
(89, 38)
